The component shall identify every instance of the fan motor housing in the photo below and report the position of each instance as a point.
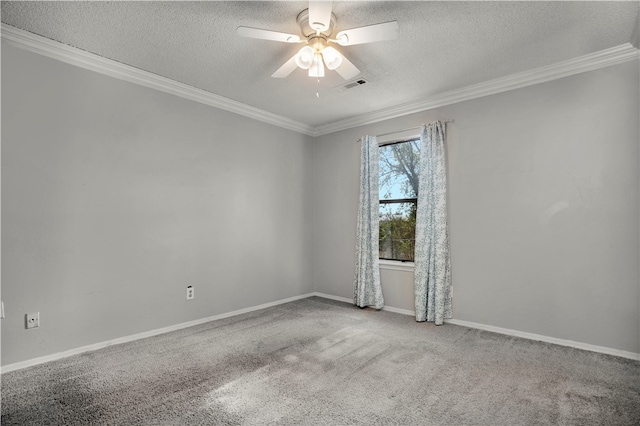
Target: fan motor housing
(307, 31)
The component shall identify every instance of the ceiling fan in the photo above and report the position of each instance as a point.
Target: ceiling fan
(316, 25)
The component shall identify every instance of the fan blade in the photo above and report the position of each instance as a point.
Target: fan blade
(346, 69)
(267, 35)
(286, 69)
(320, 15)
(368, 34)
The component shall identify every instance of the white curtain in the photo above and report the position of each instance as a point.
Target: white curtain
(432, 262)
(366, 287)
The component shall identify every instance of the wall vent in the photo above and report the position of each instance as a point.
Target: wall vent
(356, 83)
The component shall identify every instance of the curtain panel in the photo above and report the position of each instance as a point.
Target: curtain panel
(432, 260)
(367, 290)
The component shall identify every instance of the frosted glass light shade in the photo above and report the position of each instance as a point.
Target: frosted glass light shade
(317, 67)
(304, 58)
(332, 58)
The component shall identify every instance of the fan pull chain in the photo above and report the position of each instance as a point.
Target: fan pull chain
(318, 89)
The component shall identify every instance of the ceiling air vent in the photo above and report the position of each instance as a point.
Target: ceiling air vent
(356, 83)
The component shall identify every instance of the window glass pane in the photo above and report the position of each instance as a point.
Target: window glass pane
(399, 170)
(397, 231)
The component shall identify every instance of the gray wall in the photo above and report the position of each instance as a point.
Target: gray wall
(115, 197)
(544, 207)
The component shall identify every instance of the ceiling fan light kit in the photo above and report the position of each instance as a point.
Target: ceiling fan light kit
(316, 28)
(317, 68)
(332, 58)
(304, 58)
(316, 25)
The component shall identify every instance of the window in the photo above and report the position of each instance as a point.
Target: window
(399, 174)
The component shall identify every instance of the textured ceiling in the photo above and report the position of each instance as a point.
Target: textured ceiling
(441, 46)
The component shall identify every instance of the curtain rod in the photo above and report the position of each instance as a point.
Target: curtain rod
(448, 120)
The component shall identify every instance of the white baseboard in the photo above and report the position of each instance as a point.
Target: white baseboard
(547, 339)
(329, 296)
(347, 300)
(509, 332)
(100, 345)
(500, 330)
(399, 311)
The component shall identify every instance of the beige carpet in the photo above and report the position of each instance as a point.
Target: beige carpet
(320, 362)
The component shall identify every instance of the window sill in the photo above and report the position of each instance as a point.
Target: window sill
(396, 265)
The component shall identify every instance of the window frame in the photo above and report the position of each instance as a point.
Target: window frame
(390, 263)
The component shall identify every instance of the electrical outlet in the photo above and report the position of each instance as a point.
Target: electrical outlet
(190, 292)
(32, 320)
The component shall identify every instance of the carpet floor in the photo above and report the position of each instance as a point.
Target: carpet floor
(321, 362)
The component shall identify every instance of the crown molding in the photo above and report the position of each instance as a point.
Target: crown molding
(593, 61)
(83, 59)
(74, 56)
